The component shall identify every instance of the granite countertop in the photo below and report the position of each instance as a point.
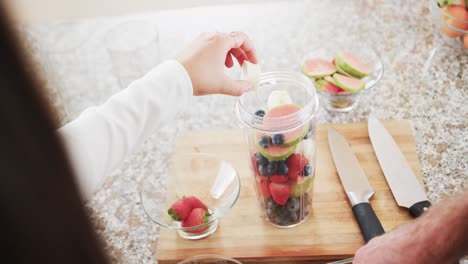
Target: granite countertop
(82, 67)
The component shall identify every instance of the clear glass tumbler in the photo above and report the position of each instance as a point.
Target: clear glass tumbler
(279, 123)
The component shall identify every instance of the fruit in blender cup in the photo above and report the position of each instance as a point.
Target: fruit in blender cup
(265, 189)
(291, 138)
(274, 152)
(352, 65)
(260, 159)
(198, 216)
(264, 141)
(307, 170)
(277, 139)
(296, 163)
(300, 186)
(318, 68)
(277, 98)
(349, 84)
(260, 113)
(280, 192)
(279, 178)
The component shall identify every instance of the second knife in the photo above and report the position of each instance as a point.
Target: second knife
(356, 185)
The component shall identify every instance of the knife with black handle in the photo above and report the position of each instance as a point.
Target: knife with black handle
(356, 185)
(404, 185)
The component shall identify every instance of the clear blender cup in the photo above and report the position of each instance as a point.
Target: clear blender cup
(279, 127)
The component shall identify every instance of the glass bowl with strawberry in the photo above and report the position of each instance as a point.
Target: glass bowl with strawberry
(450, 18)
(342, 74)
(201, 190)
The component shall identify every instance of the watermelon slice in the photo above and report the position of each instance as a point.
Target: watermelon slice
(340, 70)
(330, 80)
(318, 68)
(352, 65)
(333, 89)
(276, 152)
(349, 84)
(291, 138)
(301, 186)
(320, 83)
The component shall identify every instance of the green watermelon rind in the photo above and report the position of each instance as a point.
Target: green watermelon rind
(345, 66)
(299, 189)
(269, 156)
(314, 76)
(298, 139)
(319, 84)
(346, 88)
(340, 70)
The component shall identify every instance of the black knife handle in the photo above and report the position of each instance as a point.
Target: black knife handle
(419, 208)
(368, 222)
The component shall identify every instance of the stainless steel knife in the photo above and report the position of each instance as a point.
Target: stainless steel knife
(401, 179)
(356, 185)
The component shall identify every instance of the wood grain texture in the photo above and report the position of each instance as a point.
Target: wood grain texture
(330, 232)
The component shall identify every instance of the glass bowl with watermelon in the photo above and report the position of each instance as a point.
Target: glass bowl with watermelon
(450, 18)
(341, 75)
(201, 189)
(279, 122)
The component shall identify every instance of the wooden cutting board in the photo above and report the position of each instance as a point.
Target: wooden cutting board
(330, 232)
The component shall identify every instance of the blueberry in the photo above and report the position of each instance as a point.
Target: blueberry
(293, 204)
(260, 113)
(278, 139)
(270, 204)
(261, 160)
(273, 167)
(265, 141)
(307, 170)
(270, 212)
(263, 169)
(282, 168)
(293, 216)
(310, 132)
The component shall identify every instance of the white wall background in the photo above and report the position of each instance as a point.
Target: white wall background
(40, 10)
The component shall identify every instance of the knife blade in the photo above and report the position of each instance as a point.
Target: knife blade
(356, 185)
(404, 185)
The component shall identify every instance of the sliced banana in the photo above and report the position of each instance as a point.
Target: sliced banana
(278, 97)
(251, 72)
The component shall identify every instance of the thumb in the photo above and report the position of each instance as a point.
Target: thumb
(235, 87)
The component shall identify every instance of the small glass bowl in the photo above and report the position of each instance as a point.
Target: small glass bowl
(212, 180)
(448, 28)
(210, 258)
(348, 102)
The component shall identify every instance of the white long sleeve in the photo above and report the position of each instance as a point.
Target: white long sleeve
(101, 137)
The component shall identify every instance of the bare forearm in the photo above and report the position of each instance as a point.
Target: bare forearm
(443, 231)
(439, 236)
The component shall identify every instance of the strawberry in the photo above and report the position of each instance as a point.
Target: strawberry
(181, 209)
(295, 164)
(280, 192)
(196, 203)
(198, 216)
(279, 178)
(265, 189)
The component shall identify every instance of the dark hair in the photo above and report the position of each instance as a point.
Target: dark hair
(43, 219)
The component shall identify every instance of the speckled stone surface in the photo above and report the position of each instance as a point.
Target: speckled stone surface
(431, 95)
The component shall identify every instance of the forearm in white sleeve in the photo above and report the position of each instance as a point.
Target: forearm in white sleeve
(101, 137)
